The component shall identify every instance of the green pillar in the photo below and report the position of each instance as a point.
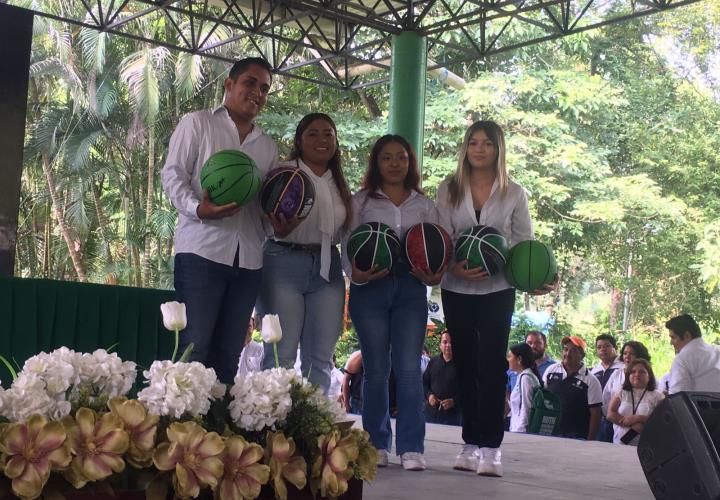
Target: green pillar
(407, 89)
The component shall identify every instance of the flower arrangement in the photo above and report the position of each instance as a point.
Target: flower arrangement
(67, 423)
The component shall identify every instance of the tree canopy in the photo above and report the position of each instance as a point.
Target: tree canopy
(615, 134)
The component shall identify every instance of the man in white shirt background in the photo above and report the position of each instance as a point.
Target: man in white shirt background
(696, 366)
(218, 249)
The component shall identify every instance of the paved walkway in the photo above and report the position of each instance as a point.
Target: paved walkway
(536, 467)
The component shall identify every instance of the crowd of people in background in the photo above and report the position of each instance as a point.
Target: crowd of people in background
(609, 402)
(230, 259)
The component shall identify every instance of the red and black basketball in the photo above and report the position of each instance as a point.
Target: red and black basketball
(287, 191)
(427, 247)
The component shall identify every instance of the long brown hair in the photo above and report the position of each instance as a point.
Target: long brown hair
(333, 164)
(373, 178)
(461, 178)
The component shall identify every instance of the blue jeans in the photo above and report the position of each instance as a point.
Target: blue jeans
(310, 309)
(390, 317)
(219, 300)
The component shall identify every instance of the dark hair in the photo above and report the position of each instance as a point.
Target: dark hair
(608, 337)
(334, 163)
(373, 179)
(241, 65)
(525, 354)
(640, 350)
(537, 333)
(652, 383)
(684, 323)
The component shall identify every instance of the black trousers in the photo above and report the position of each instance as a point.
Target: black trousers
(480, 326)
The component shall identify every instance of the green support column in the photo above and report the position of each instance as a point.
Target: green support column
(407, 89)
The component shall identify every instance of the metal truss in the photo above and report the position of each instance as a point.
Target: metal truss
(341, 36)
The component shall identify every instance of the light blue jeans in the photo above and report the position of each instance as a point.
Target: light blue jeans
(310, 309)
(390, 317)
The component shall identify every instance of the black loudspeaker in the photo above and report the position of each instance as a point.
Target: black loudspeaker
(678, 447)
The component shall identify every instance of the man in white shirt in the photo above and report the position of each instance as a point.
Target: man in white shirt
(696, 366)
(218, 248)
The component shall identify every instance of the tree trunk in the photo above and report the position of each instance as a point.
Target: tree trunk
(46, 245)
(370, 104)
(72, 242)
(102, 221)
(149, 199)
(615, 302)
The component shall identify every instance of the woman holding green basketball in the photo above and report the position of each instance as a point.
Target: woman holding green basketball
(302, 275)
(389, 306)
(478, 307)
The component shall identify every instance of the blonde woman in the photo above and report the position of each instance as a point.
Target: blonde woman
(478, 307)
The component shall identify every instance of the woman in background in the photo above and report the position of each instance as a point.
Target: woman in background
(522, 361)
(630, 407)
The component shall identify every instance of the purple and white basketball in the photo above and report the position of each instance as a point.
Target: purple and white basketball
(288, 191)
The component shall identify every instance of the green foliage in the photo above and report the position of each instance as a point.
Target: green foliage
(613, 132)
(346, 345)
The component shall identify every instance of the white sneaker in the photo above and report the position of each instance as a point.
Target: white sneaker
(382, 458)
(413, 461)
(489, 463)
(467, 459)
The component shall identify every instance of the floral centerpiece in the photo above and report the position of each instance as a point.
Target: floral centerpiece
(67, 424)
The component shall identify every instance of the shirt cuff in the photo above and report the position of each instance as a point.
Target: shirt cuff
(192, 207)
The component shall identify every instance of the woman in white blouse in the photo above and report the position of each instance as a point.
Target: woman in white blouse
(630, 407)
(302, 278)
(478, 307)
(389, 309)
(522, 361)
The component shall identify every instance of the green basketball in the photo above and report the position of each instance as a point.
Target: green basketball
(373, 244)
(229, 176)
(531, 264)
(483, 247)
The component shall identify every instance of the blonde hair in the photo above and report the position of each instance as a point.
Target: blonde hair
(461, 178)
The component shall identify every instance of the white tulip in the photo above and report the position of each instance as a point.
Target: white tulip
(271, 330)
(174, 315)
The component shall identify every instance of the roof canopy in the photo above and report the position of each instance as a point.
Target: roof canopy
(343, 35)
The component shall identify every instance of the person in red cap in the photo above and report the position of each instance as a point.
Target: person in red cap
(578, 389)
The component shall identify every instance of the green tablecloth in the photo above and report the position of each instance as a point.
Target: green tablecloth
(41, 315)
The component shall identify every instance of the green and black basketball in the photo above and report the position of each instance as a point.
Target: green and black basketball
(373, 244)
(230, 175)
(531, 264)
(483, 247)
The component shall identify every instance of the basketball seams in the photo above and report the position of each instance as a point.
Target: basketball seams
(374, 243)
(214, 170)
(284, 190)
(218, 195)
(425, 247)
(474, 239)
(356, 234)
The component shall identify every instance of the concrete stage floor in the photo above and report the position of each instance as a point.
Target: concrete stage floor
(536, 467)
